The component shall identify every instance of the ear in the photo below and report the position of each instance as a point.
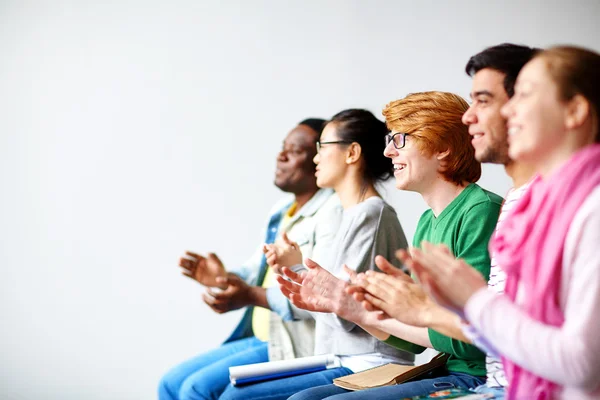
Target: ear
(353, 153)
(442, 155)
(578, 110)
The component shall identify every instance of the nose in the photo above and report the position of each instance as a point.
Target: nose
(316, 158)
(390, 150)
(508, 109)
(282, 155)
(469, 117)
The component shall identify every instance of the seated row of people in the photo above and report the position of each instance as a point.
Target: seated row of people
(343, 252)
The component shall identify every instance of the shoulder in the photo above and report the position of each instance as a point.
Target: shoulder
(482, 203)
(281, 204)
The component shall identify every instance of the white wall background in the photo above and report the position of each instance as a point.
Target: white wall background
(133, 130)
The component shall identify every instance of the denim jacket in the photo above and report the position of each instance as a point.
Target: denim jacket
(313, 227)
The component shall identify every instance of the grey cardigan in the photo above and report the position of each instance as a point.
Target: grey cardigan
(367, 229)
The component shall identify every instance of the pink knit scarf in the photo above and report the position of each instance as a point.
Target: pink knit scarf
(529, 247)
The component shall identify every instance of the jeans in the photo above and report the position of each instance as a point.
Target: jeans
(205, 377)
(430, 384)
(498, 392)
(281, 389)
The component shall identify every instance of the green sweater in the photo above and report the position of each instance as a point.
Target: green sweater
(465, 226)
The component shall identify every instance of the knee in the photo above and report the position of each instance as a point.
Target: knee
(192, 389)
(168, 388)
(230, 393)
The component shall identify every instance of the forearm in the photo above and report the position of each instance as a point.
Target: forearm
(447, 323)
(257, 296)
(382, 329)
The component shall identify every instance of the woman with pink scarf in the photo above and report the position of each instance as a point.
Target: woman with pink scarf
(547, 326)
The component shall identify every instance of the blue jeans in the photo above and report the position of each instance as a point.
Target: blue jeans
(281, 389)
(432, 383)
(498, 392)
(205, 377)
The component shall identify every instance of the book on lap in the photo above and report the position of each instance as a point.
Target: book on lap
(252, 373)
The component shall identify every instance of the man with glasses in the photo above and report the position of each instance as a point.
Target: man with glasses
(271, 329)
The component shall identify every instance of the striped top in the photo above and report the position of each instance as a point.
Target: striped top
(497, 282)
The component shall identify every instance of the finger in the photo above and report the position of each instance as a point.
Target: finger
(375, 302)
(193, 255)
(369, 307)
(289, 242)
(296, 300)
(384, 282)
(292, 275)
(283, 283)
(375, 287)
(187, 263)
(215, 258)
(387, 267)
(351, 273)
(189, 275)
(310, 264)
(359, 296)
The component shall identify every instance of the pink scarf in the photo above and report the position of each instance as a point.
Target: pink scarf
(529, 247)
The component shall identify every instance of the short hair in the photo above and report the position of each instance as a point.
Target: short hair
(364, 128)
(575, 70)
(316, 124)
(434, 118)
(507, 58)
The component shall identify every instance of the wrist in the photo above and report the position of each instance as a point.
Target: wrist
(257, 296)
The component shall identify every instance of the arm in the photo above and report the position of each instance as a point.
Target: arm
(567, 355)
(471, 246)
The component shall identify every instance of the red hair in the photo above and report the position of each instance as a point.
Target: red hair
(434, 118)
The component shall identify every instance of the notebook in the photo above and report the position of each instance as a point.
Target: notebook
(388, 374)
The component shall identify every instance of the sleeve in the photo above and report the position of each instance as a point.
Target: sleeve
(249, 270)
(326, 227)
(402, 344)
(356, 251)
(567, 355)
(473, 235)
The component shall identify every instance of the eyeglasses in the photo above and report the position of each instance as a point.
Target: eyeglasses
(319, 144)
(399, 139)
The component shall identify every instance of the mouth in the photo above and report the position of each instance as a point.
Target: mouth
(513, 130)
(476, 136)
(398, 167)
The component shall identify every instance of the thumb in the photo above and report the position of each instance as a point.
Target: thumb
(351, 273)
(229, 280)
(214, 258)
(387, 267)
(310, 264)
(288, 241)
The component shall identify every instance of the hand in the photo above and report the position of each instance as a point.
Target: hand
(396, 294)
(237, 294)
(449, 281)
(283, 253)
(318, 290)
(204, 270)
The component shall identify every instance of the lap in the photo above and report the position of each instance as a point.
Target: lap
(283, 388)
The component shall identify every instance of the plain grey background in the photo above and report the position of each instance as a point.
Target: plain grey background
(131, 131)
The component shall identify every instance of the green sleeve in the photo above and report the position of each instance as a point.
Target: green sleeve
(477, 226)
(404, 345)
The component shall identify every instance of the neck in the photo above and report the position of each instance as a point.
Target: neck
(349, 191)
(573, 142)
(519, 172)
(441, 193)
(303, 198)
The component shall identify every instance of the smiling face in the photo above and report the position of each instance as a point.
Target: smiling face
(295, 168)
(331, 159)
(412, 169)
(536, 115)
(486, 124)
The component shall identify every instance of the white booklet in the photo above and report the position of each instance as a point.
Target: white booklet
(252, 373)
